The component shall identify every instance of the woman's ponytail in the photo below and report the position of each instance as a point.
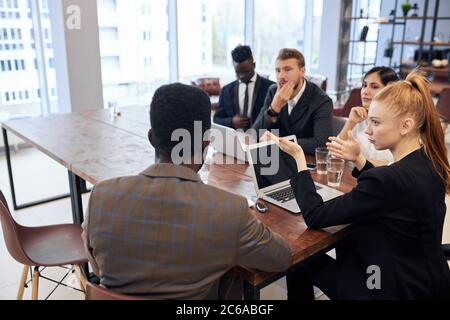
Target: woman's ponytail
(431, 131)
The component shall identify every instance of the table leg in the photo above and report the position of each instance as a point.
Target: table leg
(17, 206)
(77, 186)
(8, 164)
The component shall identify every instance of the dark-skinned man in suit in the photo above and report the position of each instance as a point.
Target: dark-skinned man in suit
(241, 101)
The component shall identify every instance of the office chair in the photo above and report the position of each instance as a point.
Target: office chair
(443, 108)
(354, 100)
(96, 292)
(46, 246)
(318, 80)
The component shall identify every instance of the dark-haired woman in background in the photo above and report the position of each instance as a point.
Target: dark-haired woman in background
(374, 81)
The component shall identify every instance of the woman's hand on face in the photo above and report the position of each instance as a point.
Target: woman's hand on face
(344, 149)
(358, 115)
(291, 148)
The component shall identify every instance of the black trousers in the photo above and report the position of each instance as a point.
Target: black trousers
(229, 287)
(320, 271)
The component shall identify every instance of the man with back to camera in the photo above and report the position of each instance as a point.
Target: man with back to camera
(241, 101)
(164, 234)
(296, 106)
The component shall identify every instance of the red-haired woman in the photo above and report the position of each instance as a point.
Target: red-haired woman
(397, 212)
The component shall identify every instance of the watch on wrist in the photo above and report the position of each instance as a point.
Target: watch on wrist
(272, 113)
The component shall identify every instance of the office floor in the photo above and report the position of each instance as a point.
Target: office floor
(49, 178)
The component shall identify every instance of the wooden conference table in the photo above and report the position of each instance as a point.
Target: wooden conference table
(96, 146)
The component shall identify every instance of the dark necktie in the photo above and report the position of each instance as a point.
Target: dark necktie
(246, 102)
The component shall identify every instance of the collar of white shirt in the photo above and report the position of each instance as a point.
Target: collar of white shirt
(293, 102)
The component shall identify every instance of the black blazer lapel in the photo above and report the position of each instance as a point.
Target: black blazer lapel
(255, 113)
(236, 98)
(255, 94)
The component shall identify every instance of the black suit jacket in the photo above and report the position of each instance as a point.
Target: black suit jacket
(397, 214)
(229, 101)
(310, 120)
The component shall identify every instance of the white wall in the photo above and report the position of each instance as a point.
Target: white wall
(77, 57)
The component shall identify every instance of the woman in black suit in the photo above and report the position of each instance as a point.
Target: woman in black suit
(397, 212)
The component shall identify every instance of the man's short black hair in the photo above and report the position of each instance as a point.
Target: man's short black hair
(241, 54)
(178, 106)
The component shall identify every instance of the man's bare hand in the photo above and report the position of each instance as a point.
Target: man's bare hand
(282, 96)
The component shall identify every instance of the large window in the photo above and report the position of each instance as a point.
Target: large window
(207, 32)
(138, 41)
(25, 70)
(278, 24)
(134, 49)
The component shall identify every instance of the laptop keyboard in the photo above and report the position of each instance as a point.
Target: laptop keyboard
(286, 194)
(283, 195)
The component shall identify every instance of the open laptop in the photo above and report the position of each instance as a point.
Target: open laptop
(272, 182)
(229, 142)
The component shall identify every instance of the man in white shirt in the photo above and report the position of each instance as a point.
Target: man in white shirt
(241, 101)
(296, 106)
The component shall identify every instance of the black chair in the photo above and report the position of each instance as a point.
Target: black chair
(354, 100)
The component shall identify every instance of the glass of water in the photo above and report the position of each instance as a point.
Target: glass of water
(208, 162)
(322, 155)
(335, 169)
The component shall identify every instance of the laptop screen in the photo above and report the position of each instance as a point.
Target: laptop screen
(272, 166)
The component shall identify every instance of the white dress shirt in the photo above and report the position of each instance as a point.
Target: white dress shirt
(293, 102)
(251, 90)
